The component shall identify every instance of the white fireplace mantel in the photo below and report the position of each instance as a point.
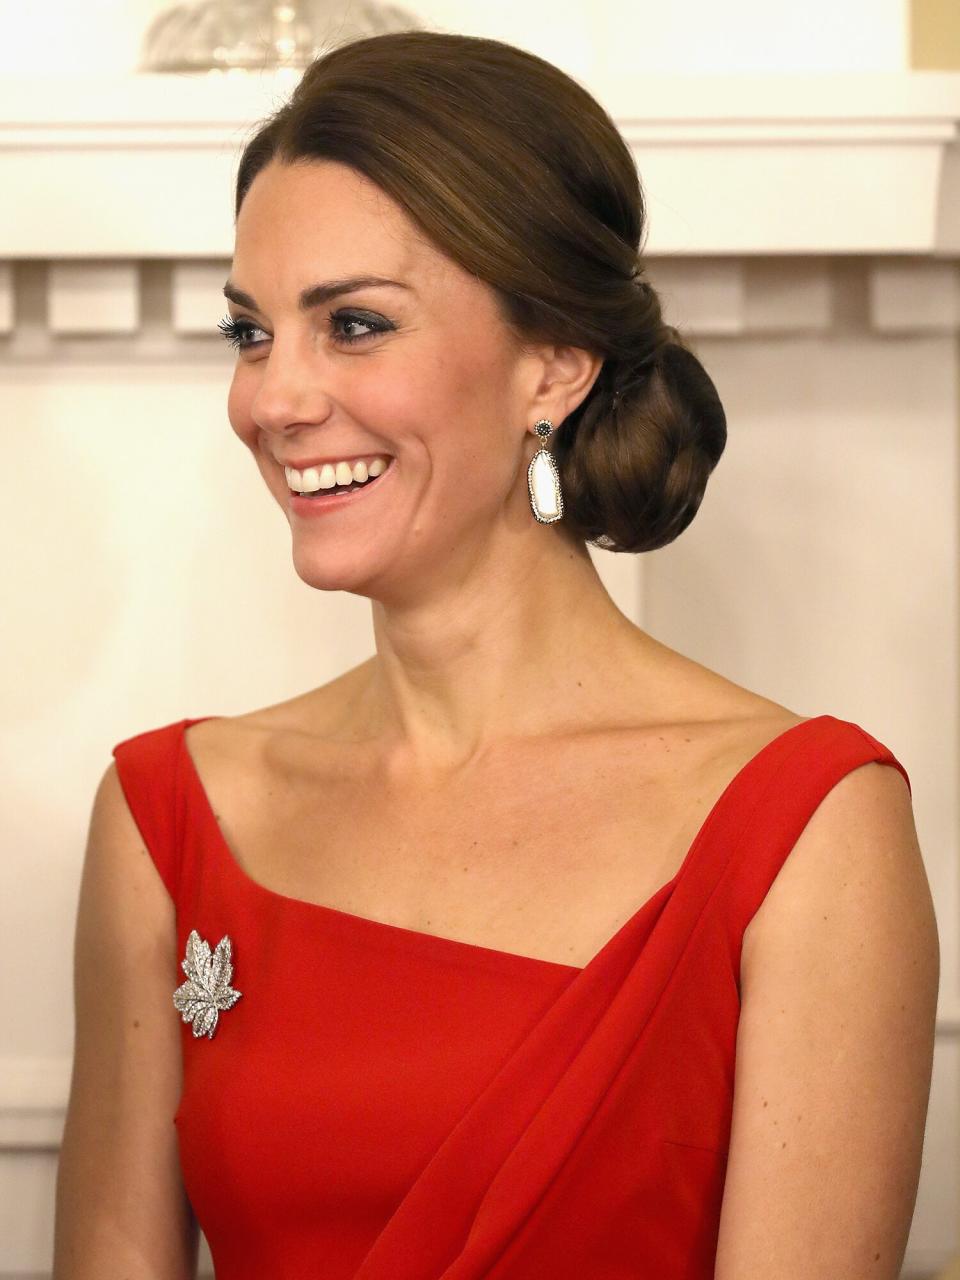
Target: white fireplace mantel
(142, 165)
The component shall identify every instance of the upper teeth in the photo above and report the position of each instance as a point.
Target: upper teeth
(330, 474)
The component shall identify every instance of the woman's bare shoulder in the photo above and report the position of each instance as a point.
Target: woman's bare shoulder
(687, 704)
(319, 713)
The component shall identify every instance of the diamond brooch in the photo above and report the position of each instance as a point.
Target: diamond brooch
(207, 989)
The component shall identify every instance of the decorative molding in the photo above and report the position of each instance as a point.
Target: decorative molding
(156, 310)
(796, 296)
(196, 295)
(915, 296)
(93, 297)
(863, 163)
(702, 296)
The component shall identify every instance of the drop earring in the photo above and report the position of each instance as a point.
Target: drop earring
(543, 479)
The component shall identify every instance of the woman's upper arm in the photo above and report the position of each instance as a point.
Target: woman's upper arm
(839, 985)
(121, 1209)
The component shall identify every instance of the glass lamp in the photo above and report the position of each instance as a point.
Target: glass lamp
(255, 35)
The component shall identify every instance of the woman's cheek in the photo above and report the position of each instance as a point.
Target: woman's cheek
(238, 412)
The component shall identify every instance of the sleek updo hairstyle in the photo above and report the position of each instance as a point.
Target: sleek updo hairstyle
(516, 172)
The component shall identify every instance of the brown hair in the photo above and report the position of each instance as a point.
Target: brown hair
(516, 172)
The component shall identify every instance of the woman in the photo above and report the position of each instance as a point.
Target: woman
(488, 956)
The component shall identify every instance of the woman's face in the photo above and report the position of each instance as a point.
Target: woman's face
(423, 373)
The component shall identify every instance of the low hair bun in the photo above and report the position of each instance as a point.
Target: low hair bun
(635, 460)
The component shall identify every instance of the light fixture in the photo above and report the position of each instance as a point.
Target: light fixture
(255, 35)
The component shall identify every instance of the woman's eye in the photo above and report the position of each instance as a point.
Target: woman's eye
(236, 332)
(373, 325)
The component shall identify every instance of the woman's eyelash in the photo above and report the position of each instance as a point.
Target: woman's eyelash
(234, 330)
(237, 332)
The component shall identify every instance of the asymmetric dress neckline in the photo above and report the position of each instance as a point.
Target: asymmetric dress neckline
(381, 1103)
(233, 867)
(419, 938)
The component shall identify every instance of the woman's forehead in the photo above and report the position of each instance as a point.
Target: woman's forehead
(298, 235)
(324, 196)
(334, 222)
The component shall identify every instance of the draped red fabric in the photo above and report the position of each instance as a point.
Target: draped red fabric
(385, 1104)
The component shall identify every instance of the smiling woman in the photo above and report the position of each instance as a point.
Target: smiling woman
(506, 946)
(645, 427)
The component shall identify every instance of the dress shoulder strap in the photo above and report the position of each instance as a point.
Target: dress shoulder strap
(147, 769)
(786, 793)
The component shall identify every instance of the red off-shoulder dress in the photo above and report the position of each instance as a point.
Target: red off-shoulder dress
(385, 1104)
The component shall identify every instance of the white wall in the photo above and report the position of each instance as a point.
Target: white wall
(674, 36)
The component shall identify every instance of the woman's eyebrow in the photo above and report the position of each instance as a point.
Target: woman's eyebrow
(317, 294)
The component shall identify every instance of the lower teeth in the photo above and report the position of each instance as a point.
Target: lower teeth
(339, 488)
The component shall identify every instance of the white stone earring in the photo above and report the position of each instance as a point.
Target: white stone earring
(543, 479)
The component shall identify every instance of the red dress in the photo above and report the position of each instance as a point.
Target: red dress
(386, 1104)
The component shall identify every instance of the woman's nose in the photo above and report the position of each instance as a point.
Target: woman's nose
(291, 389)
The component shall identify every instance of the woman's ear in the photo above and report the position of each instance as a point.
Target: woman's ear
(568, 376)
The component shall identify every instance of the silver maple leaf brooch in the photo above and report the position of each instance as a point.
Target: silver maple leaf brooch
(207, 989)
